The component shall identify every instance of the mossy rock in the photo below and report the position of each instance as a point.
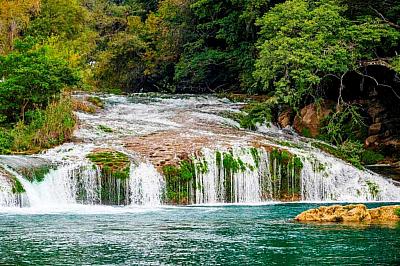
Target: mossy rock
(397, 212)
(112, 163)
(96, 101)
(36, 174)
(17, 187)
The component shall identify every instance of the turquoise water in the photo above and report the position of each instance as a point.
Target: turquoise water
(219, 235)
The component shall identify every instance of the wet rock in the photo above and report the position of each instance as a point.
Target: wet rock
(308, 123)
(372, 141)
(350, 213)
(375, 129)
(385, 213)
(284, 118)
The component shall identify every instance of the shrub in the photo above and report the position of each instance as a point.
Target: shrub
(31, 80)
(41, 129)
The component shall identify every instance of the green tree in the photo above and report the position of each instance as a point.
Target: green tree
(305, 42)
(31, 79)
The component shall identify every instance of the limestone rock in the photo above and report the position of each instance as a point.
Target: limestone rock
(375, 129)
(310, 118)
(284, 118)
(372, 141)
(385, 213)
(349, 213)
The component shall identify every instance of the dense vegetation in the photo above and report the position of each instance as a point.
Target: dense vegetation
(295, 51)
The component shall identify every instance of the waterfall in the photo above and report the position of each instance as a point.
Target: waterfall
(265, 176)
(327, 178)
(83, 183)
(7, 198)
(61, 186)
(224, 164)
(146, 185)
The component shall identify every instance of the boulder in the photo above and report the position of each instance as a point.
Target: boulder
(372, 141)
(284, 118)
(349, 213)
(385, 213)
(374, 129)
(309, 121)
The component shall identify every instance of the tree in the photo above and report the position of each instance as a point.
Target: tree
(31, 79)
(14, 17)
(305, 42)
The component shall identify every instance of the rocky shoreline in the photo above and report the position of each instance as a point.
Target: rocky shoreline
(351, 213)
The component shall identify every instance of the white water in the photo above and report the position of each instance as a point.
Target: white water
(77, 181)
(146, 184)
(335, 181)
(7, 198)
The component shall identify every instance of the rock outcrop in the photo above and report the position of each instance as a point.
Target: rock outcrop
(350, 213)
(308, 123)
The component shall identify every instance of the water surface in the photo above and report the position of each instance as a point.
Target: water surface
(218, 235)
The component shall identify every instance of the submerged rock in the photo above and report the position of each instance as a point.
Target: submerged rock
(350, 213)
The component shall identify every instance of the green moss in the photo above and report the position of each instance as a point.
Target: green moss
(105, 129)
(17, 187)
(256, 156)
(371, 157)
(286, 174)
(231, 164)
(218, 159)
(202, 166)
(373, 188)
(178, 179)
(96, 101)
(397, 212)
(36, 174)
(113, 163)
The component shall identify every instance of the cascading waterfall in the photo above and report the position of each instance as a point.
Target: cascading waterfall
(327, 178)
(218, 184)
(82, 183)
(276, 175)
(60, 186)
(230, 172)
(7, 198)
(146, 184)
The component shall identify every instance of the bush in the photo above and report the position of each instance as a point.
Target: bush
(371, 157)
(41, 129)
(6, 141)
(31, 80)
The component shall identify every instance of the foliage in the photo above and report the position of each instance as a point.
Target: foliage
(397, 212)
(177, 179)
(351, 151)
(256, 114)
(31, 79)
(304, 42)
(15, 16)
(343, 125)
(373, 188)
(59, 18)
(41, 129)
